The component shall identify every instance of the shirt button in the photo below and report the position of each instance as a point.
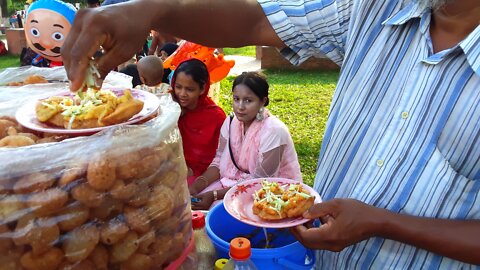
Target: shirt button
(404, 115)
(379, 163)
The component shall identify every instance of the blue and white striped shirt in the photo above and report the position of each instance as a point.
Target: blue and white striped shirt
(404, 124)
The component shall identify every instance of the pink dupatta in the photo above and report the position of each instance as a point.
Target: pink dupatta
(245, 150)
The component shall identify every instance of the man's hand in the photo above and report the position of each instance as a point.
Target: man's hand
(108, 28)
(206, 200)
(345, 222)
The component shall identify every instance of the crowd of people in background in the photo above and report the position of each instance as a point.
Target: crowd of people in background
(16, 20)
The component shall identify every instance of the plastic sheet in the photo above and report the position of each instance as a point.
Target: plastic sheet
(57, 74)
(114, 200)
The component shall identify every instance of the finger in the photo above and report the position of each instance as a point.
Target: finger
(81, 58)
(80, 48)
(199, 206)
(309, 224)
(326, 219)
(297, 232)
(319, 210)
(72, 37)
(311, 238)
(111, 59)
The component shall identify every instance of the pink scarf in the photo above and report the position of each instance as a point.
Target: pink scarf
(245, 148)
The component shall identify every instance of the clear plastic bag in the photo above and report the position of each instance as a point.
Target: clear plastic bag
(114, 200)
(57, 75)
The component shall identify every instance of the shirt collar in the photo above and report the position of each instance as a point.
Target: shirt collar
(410, 11)
(470, 45)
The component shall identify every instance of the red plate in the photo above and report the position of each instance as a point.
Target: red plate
(26, 114)
(238, 202)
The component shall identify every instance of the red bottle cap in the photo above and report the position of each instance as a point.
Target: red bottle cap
(240, 248)
(198, 220)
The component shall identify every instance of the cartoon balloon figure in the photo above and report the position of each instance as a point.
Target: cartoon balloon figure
(47, 24)
(217, 65)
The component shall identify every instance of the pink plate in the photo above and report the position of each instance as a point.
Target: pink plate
(26, 114)
(238, 202)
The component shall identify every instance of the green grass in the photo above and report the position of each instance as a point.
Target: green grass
(9, 61)
(300, 99)
(244, 51)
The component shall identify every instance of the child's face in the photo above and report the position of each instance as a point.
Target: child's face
(163, 55)
(187, 91)
(245, 103)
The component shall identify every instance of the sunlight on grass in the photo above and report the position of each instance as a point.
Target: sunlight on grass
(300, 99)
(244, 51)
(9, 61)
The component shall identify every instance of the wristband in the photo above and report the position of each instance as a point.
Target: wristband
(215, 195)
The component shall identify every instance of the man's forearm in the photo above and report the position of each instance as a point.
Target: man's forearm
(457, 239)
(214, 23)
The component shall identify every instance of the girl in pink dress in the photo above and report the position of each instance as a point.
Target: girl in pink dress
(253, 144)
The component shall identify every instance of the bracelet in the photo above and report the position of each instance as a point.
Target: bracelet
(215, 195)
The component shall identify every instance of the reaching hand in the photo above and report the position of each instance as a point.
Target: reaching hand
(344, 223)
(205, 201)
(109, 28)
(193, 189)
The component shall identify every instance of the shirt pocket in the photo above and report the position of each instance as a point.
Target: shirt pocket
(459, 141)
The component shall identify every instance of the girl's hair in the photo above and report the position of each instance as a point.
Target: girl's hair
(257, 82)
(196, 69)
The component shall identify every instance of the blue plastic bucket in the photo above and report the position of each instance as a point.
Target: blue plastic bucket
(285, 252)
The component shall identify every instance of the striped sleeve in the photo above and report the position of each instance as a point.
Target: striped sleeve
(308, 27)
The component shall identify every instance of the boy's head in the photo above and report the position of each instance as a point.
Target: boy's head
(150, 69)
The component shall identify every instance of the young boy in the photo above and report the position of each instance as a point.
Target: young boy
(150, 70)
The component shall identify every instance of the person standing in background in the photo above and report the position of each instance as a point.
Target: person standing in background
(19, 19)
(158, 40)
(93, 3)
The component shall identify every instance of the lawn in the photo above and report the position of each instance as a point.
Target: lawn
(9, 61)
(245, 51)
(301, 99)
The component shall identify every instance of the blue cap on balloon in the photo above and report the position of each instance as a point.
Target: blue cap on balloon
(67, 10)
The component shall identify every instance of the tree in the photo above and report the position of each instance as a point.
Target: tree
(4, 8)
(14, 5)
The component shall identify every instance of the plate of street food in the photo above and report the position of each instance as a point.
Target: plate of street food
(32, 79)
(270, 202)
(87, 112)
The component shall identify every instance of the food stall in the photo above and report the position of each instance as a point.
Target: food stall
(114, 199)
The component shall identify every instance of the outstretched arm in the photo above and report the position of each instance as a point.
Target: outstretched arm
(347, 221)
(121, 29)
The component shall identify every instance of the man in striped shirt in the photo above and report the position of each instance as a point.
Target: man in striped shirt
(399, 167)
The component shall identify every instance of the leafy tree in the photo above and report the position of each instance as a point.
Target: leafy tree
(14, 5)
(4, 8)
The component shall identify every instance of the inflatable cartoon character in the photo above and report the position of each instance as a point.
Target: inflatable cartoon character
(217, 66)
(47, 24)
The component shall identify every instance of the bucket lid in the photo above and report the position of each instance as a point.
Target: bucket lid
(220, 263)
(198, 220)
(240, 248)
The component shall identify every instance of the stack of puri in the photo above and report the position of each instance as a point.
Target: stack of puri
(109, 205)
